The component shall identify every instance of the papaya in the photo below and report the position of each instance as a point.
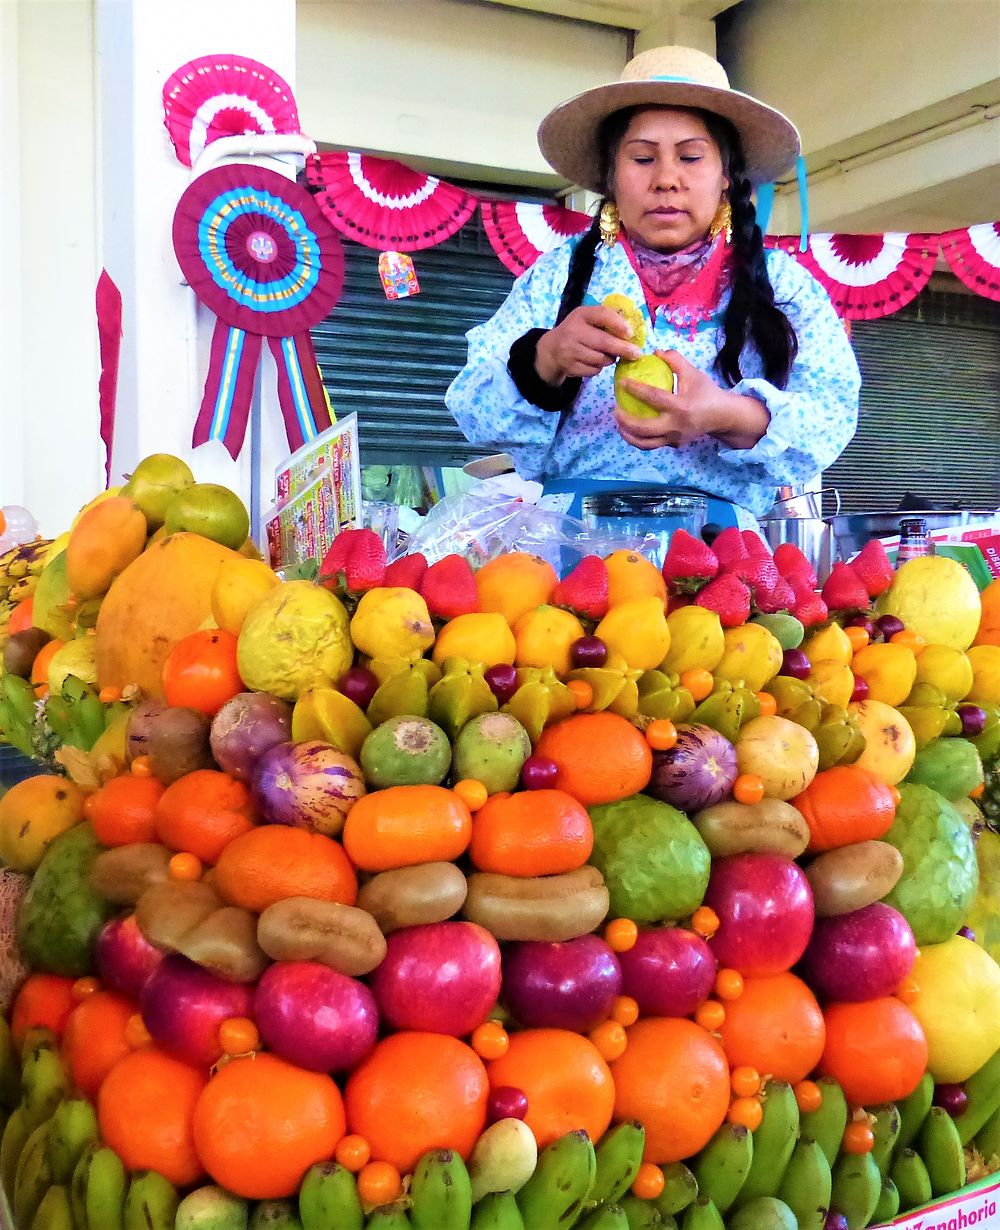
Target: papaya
(107, 538)
(161, 597)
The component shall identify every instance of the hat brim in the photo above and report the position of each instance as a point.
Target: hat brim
(568, 135)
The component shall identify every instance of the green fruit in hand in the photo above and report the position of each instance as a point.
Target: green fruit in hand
(153, 484)
(649, 369)
(210, 510)
(630, 312)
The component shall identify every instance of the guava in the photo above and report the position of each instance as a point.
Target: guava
(653, 859)
(649, 369)
(154, 482)
(952, 767)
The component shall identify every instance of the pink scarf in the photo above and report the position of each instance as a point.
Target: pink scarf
(687, 284)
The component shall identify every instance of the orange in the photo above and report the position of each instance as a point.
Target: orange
(273, 862)
(673, 1078)
(94, 1039)
(775, 1026)
(145, 1111)
(566, 1081)
(531, 833)
(40, 666)
(261, 1122)
(124, 810)
(22, 616)
(989, 621)
(515, 583)
(876, 1049)
(845, 804)
(633, 576)
(44, 1000)
(601, 757)
(203, 812)
(406, 825)
(415, 1092)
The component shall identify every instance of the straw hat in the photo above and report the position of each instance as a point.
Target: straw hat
(670, 77)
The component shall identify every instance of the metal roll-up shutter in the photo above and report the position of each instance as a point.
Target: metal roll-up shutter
(392, 360)
(930, 408)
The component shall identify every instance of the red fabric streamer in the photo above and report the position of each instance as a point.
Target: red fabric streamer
(109, 334)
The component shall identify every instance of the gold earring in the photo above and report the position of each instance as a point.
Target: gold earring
(610, 223)
(723, 221)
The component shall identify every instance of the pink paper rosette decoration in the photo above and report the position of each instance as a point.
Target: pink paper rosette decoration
(224, 96)
(385, 205)
(866, 276)
(520, 231)
(974, 256)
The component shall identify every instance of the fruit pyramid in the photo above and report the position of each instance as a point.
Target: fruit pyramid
(407, 895)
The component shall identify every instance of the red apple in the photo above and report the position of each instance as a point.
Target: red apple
(183, 1005)
(314, 1017)
(568, 985)
(865, 954)
(765, 909)
(668, 971)
(125, 958)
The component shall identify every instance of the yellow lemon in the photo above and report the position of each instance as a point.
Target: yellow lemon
(751, 654)
(637, 630)
(239, 585)
(832, 682)
(295, 638)
(936, 598)
(544, 637)
(696, 640)
(946, 668)
(889, 669)
(890, 747)
(478, 637)
(958, 1006)
(332, 717)
(985, 662)
(32, 814)
(392, 622)
(830, 644)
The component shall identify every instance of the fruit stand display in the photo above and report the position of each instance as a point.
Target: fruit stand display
(407, 895)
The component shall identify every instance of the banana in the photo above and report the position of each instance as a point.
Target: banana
(987, 1139)
(983, 1091)
(104, 1191)
(888, 1202)
(275, 1215)
(680, 1188)
(15, 1137)
(556, 1192)
(496, 1211)
(722, 1167)
(888, 1122)
(74, 1126)
(151, 1203)
(773, 1142)
(941, 1148)
(55, 1211)
(385, 1217)
(642, 1215)
(702, 1215)
(34, 1176)
(503, 1159)
(440, 1192)
(857, 1186)
(913, 1111)
(826, 1125)
(619, 1156)
(807, 1184)
(607, 1217)
(911, 1178)
(43, 1083)
(764, 1213)
(328, 1196)
(10, 1068)
(213, 1208)
(78, 1186)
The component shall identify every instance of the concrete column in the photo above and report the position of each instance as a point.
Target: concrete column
(673, 25)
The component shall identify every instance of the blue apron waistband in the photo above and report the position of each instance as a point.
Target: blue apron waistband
(718, 512)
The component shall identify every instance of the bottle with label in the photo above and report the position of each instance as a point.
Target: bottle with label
(914, 540)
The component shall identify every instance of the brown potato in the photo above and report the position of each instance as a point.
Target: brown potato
(412, 896)
(123, 874)
(225, 944)
(553, 908)
(166, 913)
(853, 876)
(771, 826)
(303, 929)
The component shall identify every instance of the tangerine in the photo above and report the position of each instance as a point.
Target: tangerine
(775, 1026)
(514, 584)
(417, 1091)
(22, 616)
(601, 757)
(633, 576)
(531, 833)
(123, 811)
(673, 1078)
(565, 1079)
(94, 1039)
(202, 812)
(876, 1049)
(273, 862)
(405, 825)
(845, 804)
(44, 1000)
(261, 1122)
(201, 672)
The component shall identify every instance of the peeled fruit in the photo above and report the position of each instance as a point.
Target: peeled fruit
(751, 654)
(890, 747)
(405, 751)
(105, 541)
(637, 631)
(239, 585)
(77, 658)
(631, 313)
(958, 1005)
(936, 598)
(211, 510)
(296, 638)
(650, 369)
(391, 622)
(153, 484)
(492, 749)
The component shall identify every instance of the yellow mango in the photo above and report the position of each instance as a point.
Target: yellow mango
(889, 669)
(481, 636)
(829, 644)
(752, 654)
(106, 539)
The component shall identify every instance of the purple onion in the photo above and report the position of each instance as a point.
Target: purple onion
(568, 985)
(506, 1102)
(951, 1098)
(795, 663)
(860, 689)
(668, 971)
(588, 651)
(698, 771)
(358, 684)
(836, 1221)
(183, 1005)
(125, 958)
(539, 773)
(308, 785)
(861, 621)
(889, 625)
(862, 955)
(973, 720)
(967, 933)
(502, 681)
(245, 728)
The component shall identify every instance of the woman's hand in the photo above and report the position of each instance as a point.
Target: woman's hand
(698, 408)
(587, 341)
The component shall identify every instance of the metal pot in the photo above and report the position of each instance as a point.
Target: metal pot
(853, 530)
(812, 535)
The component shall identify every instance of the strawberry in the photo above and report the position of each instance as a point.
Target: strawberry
(781, 597)
(873, 568)
(790, 559)
(449, 588)
(355, 562)
(406, 572)
(729, 546)
(728, 597)
(754, 544)
(689, 562)
(842, 591)
(584, 590)
(756, 571)
(810, 609)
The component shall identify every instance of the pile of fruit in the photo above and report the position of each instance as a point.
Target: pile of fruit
(413, 896)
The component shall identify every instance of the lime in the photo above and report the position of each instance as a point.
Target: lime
(154, 482)
(958, 1006)
(210, 510)
(936, 598)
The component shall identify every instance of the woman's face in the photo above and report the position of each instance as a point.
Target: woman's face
(667, 178)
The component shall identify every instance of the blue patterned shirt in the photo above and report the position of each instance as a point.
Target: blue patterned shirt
(812, 419)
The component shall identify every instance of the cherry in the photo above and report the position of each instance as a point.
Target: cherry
(358, 684)
(862, 621)
(502, 680)
(860, 688)
(506, 1102)
(539, 773)
(588, 651)
(889, 625)
(973, 720)
(795, 663)
(951, 1098)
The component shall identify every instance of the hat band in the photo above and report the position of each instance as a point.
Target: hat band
(667, 77)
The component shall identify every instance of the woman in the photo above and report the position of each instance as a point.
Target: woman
(766, 390)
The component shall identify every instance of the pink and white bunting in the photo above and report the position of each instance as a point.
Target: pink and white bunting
(974, 256)
(521, 231)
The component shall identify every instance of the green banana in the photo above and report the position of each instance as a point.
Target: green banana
(941, 1148)
(619, 1156)
(857, 1186)
(104, 1194)
(43, 1082)
(913, 1111)
(773, 1142)
(764, 1213)
(496, 1211)
(55, 1211)
(34, 1176)
(680, 1188)
(826, 1125)
(607, 1217)
(888, 1122)
(275, 1215)
(328, 1195)
(702, 1215)
(642, 1215)
(721, 1168)
(74, 1126)
(888, 1202)
(15, 1137)
(213, 1208)
(440, 1192)
(983, 1092)
(807, 1184)
(558, 1189)
(10, 1068)
(385, 1217)
(911, 1178)
(151, 1203)
(987, 1139)
(78, 1186)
